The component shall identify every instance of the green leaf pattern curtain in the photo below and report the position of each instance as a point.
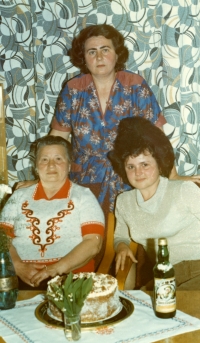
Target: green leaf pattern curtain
(163, 38)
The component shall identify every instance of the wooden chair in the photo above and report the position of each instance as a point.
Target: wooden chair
(3, 152)
(109, 255)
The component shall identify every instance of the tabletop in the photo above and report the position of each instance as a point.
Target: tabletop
(187, 301)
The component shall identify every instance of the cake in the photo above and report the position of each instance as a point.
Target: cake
(102, 302)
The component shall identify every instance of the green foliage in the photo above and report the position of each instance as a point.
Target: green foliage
(70, 296)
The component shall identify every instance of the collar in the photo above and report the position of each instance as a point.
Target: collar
(154, 202)
(61, 194)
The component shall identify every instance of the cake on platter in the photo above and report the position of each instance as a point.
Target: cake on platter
(102, 302)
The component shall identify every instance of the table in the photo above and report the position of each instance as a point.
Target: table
(187, 301)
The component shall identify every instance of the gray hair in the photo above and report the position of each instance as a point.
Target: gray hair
(51, 140)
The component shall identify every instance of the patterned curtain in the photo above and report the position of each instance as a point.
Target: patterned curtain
(163, 38)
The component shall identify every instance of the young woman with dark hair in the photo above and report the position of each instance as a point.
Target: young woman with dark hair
(135, 136)
(156, 207)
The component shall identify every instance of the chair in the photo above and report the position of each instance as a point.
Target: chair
(109, 255)
(3, 152)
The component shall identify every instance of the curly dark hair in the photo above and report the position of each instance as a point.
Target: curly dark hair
(51, 140)
(77, 50)
(135, 136)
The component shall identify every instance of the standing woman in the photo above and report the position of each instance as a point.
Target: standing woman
(92, 104)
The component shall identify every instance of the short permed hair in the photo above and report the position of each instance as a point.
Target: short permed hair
(77, 51)
(51, 140)
(136, 136)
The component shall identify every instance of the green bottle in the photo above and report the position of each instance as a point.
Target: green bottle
(164, 283)
(8, 277)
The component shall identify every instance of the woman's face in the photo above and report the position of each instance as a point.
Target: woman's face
(100, 56)
(52, 164)
(143, 173)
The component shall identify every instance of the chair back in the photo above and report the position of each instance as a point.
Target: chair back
(109, 255)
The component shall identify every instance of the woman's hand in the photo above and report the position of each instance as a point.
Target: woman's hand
(24, 270)
(193, 178)
(122, 252)
(76, 258)
(24, 184)
(44, 273)
(175, 176)
(27, 270)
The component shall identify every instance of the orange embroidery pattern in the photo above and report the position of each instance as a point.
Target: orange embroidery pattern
(52, 227)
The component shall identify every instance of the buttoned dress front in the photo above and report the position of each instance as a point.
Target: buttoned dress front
(93, 132)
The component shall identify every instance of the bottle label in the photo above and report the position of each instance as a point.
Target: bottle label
(165, 295)
(8, 283)
(164, 267)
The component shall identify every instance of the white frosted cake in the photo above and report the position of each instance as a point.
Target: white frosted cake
(102, 302)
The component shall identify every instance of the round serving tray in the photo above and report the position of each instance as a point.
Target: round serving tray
(127, 309)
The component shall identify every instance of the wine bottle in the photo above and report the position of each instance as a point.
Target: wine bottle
(164, 283)
(8, 277)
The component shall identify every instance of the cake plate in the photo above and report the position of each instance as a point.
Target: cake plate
(126, 310)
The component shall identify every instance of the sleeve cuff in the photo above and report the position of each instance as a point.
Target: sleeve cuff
(91, 228)
(57, 126)
(9, 229)
(161, 121)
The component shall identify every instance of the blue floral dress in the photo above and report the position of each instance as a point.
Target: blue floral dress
(93, 132)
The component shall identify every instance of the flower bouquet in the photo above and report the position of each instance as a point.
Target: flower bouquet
(69, 298)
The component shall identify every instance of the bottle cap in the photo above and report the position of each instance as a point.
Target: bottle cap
(162, 241)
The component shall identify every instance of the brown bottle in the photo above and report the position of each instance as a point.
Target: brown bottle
(164, 283)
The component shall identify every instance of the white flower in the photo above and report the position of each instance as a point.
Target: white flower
(5, 189)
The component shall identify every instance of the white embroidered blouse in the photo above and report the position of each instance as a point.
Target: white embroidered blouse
(44, 230)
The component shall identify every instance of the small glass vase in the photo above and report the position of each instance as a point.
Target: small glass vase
(8, 282)
(72, 327)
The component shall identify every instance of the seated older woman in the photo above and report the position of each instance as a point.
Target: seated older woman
(157, 207)
(57, 226)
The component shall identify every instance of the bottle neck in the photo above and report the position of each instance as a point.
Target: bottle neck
(163, 254)
(6, 265)
(4, 255)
